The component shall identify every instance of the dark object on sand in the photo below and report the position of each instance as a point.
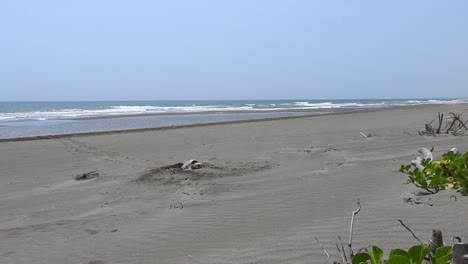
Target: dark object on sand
(460, 253)
(177, 205)
(191, 165)
(87, 175)
(436, 240)
(453, 124)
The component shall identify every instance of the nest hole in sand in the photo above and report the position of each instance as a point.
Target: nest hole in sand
(174, 174)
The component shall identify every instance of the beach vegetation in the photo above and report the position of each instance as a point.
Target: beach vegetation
(415, 255)
(450, 172)
(434, 251)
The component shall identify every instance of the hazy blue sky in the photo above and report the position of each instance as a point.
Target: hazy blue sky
(129, 50)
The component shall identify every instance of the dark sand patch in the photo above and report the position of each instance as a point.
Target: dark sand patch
(173, 174)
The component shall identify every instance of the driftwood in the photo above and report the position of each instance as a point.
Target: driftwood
(87, 175)
(453, 124)
(436, 240)
(355, 212)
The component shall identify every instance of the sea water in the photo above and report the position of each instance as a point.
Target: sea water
(26, 119)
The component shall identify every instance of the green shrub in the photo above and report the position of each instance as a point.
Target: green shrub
(450, 172)
(415, 255)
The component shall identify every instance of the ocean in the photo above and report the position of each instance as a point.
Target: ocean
(28, 119)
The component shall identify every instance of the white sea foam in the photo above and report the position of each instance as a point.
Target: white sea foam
(113, 111)
(192, 108)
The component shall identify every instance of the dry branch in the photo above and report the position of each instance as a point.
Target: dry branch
(441, 119)
(344, 252)
(87, 175)
(407, 228)
(320, 244)
(350, 242)
(453, 124)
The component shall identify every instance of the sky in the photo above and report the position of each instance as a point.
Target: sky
(239, 49)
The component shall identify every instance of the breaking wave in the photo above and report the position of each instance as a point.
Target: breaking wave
(217, 106)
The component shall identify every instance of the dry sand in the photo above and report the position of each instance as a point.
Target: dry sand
(271, 187)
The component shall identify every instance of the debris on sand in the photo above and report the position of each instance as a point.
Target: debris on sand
(192, 165)
(177, 205)
(193, 170)
(87, 175)
(330, 149)
(409, 197)
(453, 124)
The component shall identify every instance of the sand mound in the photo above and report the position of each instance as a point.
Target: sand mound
(174, 174)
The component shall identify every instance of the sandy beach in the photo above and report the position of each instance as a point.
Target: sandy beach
(268, 190)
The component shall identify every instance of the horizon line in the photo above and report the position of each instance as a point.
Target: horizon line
(174, 100)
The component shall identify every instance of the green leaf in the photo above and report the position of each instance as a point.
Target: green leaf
(398, 259)
(418, 253)
(438, 181)
(443, 255)
(376, 255)
(464, 190)
(404, 168)
(361, 258)
(400, 252)
(436, 174)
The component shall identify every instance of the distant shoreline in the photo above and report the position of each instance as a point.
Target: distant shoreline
(321, 112)
(120, 131)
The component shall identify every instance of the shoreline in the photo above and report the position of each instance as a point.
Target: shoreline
(204, 113)
(162, 128)
(324, 112)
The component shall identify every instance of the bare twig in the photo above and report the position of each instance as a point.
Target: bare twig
(461, 124)
(87, 175)
(363, 249)
(407, 228)
(447, 127)
(350, 242)
(452, 240)
(320, 244)
(441, 119)
(344, 252)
